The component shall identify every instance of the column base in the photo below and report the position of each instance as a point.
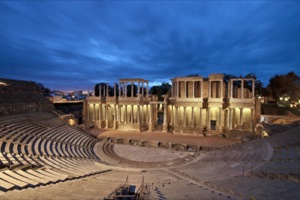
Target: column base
(106, 123)
(115, 125)
(165, 128)
(150, 129)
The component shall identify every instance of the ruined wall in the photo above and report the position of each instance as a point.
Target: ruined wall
(21, 96)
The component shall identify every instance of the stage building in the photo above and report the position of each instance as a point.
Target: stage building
(194, 105)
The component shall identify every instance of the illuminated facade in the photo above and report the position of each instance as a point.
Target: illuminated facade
(194, 105)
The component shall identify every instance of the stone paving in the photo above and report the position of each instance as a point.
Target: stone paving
(147, 154)
(211, 141)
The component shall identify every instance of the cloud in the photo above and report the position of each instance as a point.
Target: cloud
(73, 45)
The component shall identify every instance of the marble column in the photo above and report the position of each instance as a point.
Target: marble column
(184, 116)
(252, 120)
(119, 113)
(241, 118)
(200, 113)
(100, 115)
(115, 117)
(132, 118)
(192, 118)
(230, 118)
(242, 88)
(106, 116)
(208, 118)
(125, 114)
(220, 119)
(94, 112)
(165, 124)
(176, 115)
(132, 90)
(150, 119)
(138, 115)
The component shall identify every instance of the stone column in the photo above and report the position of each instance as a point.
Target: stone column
(184, 116)
(172, 115)
(119, 113)
(125, 89)
(165, 124)
(147, 91)
(100, 115)
(193, 89)
(131, 114)
(200, 112)
(106, 116)
(208, 118)
(88, 111)
(176, 115)
(185, 89)
(221, 89)
(142, 89)
(201, 86)
(230, 119)
(252, 120)
(150, 119)
(120, 90)
(125, 114)
(231, 88)
(209, 89)
(242, 88)
(177, 88)
(132, 90)
(106, 90)
(192, 118)
(138, 94)
(241, 118)
(138, 115)
(115, 117)
(220, 119)
(147, 114)
(94, 112)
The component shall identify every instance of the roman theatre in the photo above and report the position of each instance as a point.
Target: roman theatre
(202, 140)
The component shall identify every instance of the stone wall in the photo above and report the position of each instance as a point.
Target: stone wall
(21, 96)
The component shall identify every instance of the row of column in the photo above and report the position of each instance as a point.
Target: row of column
(241, 119)
(176, 87)
(215, 86)
(174, 116)
(123, 89)
(118, 114)
(242, 87)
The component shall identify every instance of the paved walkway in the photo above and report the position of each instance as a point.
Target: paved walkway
(211, 141)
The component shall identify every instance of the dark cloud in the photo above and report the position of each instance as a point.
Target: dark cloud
(74, 44)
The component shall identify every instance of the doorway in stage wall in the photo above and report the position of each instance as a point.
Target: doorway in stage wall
(213, 124)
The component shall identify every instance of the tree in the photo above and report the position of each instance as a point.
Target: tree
(46, 91)
(285, 85)
(103, 89)
(160, 90)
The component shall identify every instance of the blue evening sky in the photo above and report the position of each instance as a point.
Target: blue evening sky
(71, 45)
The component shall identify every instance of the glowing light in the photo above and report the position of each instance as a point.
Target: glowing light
(71, 122)
(280, 98)
(285, 98)
(2, 83)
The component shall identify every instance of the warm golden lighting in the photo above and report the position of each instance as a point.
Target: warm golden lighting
(285, 98)
(280, 98)
(71, 122)
(2, 83)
